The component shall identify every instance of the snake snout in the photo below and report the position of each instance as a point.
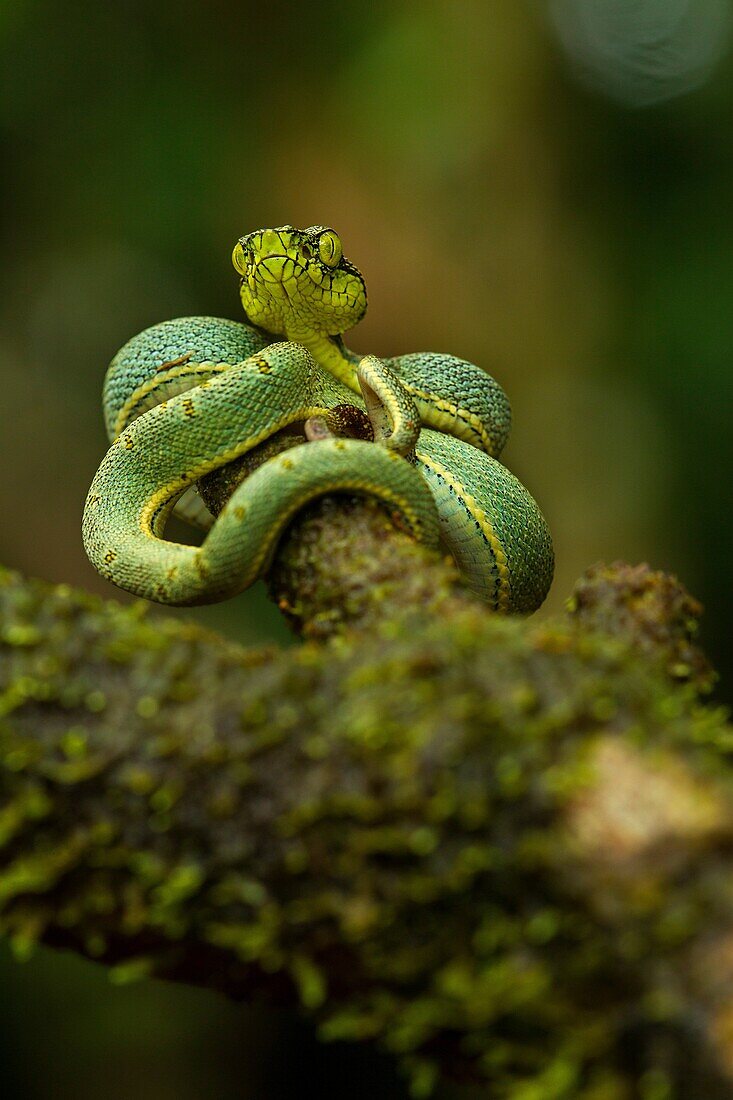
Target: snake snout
(271, 240)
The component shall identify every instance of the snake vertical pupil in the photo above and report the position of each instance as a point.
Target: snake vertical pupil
(329, 248)
(239, 258)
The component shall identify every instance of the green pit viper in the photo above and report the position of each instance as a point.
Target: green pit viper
(188, 396)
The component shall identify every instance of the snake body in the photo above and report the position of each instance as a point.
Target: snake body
(161, 452)
(188, 396)
(297, 284)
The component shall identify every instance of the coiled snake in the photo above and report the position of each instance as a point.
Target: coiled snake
(187, 396)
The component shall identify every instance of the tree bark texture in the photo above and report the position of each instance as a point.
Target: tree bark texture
(500, 848)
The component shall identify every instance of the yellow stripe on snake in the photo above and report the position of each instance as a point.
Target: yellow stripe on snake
(188, 396)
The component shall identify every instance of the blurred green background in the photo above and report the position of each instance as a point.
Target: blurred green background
(544, 188)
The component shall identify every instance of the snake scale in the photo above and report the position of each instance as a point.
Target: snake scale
(188, 396)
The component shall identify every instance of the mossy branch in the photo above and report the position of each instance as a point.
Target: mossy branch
(500, 848)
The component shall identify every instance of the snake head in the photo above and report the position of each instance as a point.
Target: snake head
(297, 283)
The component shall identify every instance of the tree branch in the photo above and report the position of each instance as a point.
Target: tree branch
(344, 562)
(500, 848)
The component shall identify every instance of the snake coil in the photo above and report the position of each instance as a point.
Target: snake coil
(187, 396)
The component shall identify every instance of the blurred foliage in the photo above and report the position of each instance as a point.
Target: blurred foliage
(579, 249)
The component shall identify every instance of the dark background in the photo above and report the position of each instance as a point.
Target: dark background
(544, 188)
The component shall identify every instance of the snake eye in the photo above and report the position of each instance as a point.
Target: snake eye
(239, 258)
(329, 248)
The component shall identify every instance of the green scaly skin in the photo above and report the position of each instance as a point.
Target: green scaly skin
(238, 400)
(187, 396)
(297, 284)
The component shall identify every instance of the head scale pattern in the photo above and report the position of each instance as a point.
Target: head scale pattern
(297, 283)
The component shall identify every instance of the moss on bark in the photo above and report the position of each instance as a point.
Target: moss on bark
(496, 847)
